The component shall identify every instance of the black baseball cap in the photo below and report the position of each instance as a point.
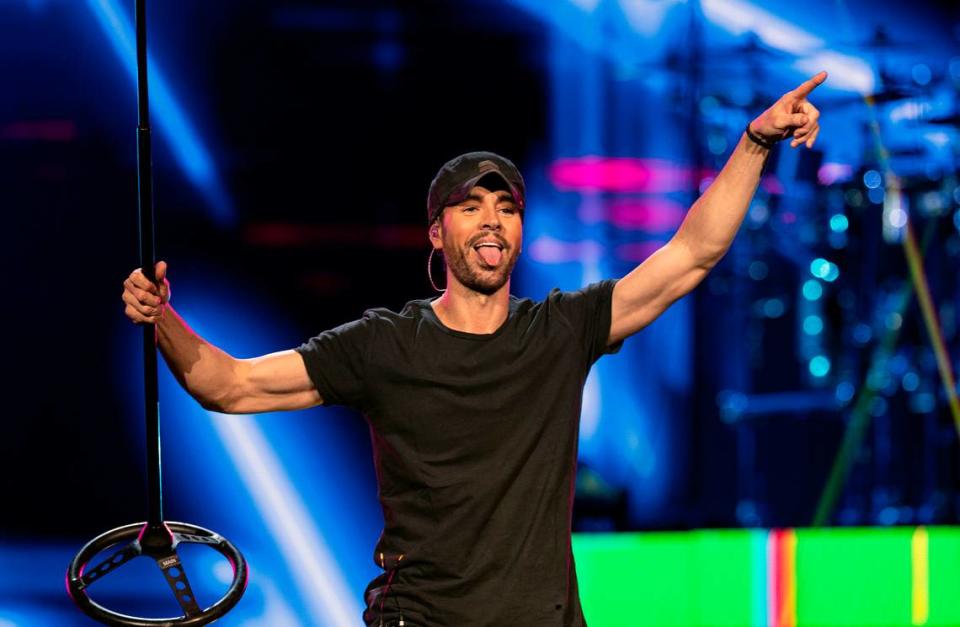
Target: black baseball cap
(458, 176)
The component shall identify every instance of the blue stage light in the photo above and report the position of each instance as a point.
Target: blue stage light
(773, 308)
(897, 218)
(839, 223)
(910, 381)
(732, 404)
(757, 270)
(893, 321)
(819, 366)
(819, 267)
(813, 325)
(708, 104)
(717, 143)
(738, 17)
(921, 74)
(923, 403)
(845, 392)
(872, 179)
(955, 68)
(876, 195)
(823, 269)
(171, 119)
(812, 290)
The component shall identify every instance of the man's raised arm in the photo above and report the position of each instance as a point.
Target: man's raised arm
(713, 220)
(217, 380)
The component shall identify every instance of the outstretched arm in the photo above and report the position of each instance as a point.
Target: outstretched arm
(217, 380)
(713, 220)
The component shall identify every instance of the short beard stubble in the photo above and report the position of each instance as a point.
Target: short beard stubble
(484, 282)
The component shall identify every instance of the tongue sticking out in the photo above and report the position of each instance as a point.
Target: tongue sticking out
(490, 254)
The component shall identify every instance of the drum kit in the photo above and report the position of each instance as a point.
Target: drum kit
(897, 165)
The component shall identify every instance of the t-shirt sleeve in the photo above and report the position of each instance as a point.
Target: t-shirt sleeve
(588, 311)
(336, 361)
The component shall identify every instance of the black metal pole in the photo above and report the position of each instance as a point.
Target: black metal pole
(147, 261)
(156, 539)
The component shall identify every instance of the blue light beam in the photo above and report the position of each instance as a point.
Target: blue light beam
(312, 565)
(171, 120)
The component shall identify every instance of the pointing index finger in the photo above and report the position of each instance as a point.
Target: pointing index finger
(809, 85)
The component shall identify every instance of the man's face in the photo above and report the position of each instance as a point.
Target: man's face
(481, 239)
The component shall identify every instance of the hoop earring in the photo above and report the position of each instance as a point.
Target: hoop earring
(430, 271)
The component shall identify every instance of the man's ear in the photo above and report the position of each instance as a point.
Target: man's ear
(436, 235)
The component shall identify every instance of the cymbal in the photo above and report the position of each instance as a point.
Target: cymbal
(947, 120)
(751, 49)
(884, 96)
(911, 152)
(880, 40)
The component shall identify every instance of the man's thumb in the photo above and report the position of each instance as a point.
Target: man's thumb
(160, 271)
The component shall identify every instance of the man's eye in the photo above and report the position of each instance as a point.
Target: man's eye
(510, 210)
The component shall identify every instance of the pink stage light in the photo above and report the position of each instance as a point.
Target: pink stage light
(771, 185)
(617, 174)
(624, 175)
(40, 130)
(653, 215)
(546, 249)
(830, 173)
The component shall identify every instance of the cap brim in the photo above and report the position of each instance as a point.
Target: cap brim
(461, 192)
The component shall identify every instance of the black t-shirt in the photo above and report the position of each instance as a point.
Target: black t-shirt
(475, 448)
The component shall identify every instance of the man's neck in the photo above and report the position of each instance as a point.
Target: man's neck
(462, 309)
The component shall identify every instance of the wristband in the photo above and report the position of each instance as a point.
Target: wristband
(758, 140)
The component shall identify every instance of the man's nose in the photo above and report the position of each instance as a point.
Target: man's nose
(491, 219)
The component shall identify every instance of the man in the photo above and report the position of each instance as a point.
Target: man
(473, 398)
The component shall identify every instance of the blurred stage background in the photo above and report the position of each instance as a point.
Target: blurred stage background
(783, 438)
